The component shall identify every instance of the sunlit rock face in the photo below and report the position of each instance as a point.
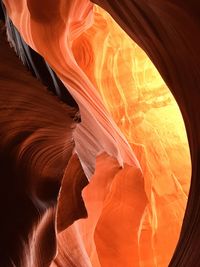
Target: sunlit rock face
(131, 144)
(148, 116)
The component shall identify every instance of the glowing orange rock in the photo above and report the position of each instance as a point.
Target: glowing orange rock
(135, 212)
(147, 114)
(52, 38)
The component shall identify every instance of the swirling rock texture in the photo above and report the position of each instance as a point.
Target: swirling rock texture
(109, 142)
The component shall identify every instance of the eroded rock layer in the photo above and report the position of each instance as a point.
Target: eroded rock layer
(131, 143)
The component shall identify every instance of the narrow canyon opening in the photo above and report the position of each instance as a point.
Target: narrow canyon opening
(129, 141)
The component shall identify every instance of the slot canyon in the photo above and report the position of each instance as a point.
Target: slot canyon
(100, 133)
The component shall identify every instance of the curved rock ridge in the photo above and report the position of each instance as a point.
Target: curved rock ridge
(168, 31)
(36, 131)
(71, 20)
(131, 144)
(147, 114)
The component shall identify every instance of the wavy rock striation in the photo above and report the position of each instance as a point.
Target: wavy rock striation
(130, 145)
